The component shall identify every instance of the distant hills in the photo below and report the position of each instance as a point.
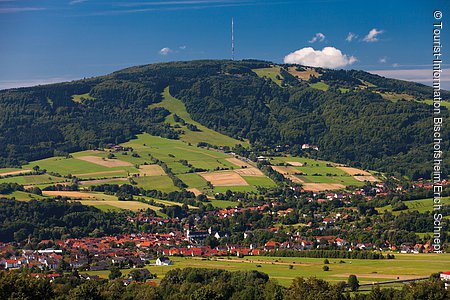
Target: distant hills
(354, 117)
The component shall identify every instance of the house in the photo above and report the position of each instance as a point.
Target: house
(445, 277)
(163, 261)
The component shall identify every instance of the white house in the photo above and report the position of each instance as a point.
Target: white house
(445, 277)
(163, 261)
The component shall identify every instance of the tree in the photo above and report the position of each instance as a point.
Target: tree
(86, 291)
(353, 283)
(326, 268)
(114, 273)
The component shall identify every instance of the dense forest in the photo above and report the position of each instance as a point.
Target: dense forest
(56, 219)
(357, 127)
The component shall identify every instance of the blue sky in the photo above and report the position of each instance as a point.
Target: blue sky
(50, 41)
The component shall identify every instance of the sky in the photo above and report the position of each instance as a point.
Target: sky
(60, 40)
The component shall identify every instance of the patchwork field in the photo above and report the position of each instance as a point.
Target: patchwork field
(304, 75)
(7, 172)
(316, 175)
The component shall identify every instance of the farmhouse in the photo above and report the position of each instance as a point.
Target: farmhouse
(445, 277)
(163, 261)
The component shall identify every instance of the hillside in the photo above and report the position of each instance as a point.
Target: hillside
(354, 117)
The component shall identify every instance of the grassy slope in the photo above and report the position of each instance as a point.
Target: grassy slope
(205, 134)
(421, 205)
(319, 167)
(320, 86)
(271, 73)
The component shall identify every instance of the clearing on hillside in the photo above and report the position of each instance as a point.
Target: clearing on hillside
(273, 73)
(226, 178)
(304, 75)
(176, 106)
(105, 162)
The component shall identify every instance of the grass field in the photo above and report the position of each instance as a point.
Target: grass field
(405, 266)
(320, 86)
(430, 102)
(33, 179)
(271, 73)
(205, 134)
(77, 98)
(223, 203)
(421, 205)
(161, 183)
(312, 171)
(22, 196)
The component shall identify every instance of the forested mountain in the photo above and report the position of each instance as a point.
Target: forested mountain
(352, 121)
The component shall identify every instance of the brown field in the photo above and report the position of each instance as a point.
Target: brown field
(99, 173)
(295, 163)
(151, 170)
(366, 178)
(78, 195)
(285, 170)
(353, 171)
(101, 181)
(195, 191)
(15, 172)
(294, 179)
(109, 163)
(318, 187)
(249, 172)
(239, 162)
(304, 75)
(227, 178)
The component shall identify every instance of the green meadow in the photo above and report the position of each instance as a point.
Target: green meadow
(285, 269)
(421, 205)
(320, 86)
(273, 73)
(205, 134)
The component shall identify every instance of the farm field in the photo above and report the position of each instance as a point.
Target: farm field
(271, 73)
(22, 196)
(421, 205)
(176, 106)
(404, 266)
(317, 175)
(193, 165)
(34, 179)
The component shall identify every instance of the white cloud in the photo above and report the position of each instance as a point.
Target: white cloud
(328, 57)
(11, 10)
(372, 35)
(318, 37)
(350, 37)
(395, 65)
(383, 60)
(183, 47)
(73, 2)
(165, 51)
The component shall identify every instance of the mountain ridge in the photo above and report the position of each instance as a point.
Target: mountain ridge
(348, 114)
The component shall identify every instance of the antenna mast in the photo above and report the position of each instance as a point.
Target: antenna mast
(232, 38)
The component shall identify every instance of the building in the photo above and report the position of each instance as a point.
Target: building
(445, 277)
(163, 261)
